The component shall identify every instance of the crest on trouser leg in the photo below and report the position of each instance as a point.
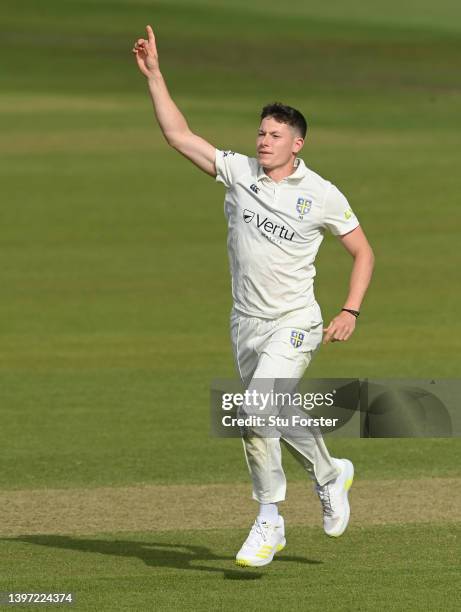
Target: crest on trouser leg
(297, 338)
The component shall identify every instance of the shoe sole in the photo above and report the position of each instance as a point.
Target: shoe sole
(347, 485)
(249, 563)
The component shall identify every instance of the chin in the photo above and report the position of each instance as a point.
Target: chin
(266, 161)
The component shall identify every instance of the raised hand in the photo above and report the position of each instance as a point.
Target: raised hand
(170, 119)
(146, 54)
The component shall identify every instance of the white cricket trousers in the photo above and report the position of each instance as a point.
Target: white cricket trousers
(266, 350)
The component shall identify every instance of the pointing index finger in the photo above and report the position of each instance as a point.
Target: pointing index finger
(150, 33)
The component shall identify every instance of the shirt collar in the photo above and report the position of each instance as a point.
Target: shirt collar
(299, 173)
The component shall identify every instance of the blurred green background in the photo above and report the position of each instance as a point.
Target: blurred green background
(114, 276)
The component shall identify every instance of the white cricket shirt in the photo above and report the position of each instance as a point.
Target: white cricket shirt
(275, 231)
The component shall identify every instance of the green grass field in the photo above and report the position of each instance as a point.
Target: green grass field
(116, 296)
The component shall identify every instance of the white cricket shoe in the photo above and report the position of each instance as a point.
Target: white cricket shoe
(333, 497)
(264, 540)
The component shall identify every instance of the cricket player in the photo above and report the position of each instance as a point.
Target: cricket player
(277, 211)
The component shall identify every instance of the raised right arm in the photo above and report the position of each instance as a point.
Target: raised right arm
(170, 119)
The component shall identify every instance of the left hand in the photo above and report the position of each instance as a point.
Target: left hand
(340, 328)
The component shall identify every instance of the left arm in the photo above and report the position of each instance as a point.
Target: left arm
(343, 325)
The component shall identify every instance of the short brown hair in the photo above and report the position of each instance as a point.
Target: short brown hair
(286, 114)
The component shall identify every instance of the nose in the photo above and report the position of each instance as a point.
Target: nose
(264, 141)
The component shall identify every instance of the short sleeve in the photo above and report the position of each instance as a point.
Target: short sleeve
(229, 166)
(338, 215)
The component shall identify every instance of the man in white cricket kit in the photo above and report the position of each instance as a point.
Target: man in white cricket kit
(277, 211)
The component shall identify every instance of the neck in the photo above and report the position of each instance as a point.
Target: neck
(281, 172)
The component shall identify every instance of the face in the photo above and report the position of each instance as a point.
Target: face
(277, 143)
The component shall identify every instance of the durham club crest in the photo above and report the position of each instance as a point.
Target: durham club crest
(303, 206)
(297, 338)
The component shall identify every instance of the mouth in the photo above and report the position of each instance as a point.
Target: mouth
(264, 153)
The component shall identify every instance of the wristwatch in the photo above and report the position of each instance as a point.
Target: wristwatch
(353, 312)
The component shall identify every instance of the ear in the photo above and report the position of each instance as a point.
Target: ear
(298, 144)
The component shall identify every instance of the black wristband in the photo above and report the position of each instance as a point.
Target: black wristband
(353, 312)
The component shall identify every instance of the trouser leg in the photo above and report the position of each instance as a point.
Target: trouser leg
(264, 460)
(279, 361)
(307, 446)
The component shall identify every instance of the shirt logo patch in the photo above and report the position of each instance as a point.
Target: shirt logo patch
(297, 338)
(303, 206)
(254, 188)
(248, 215)
(270, 230)
(348, 214)
(226, 153)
